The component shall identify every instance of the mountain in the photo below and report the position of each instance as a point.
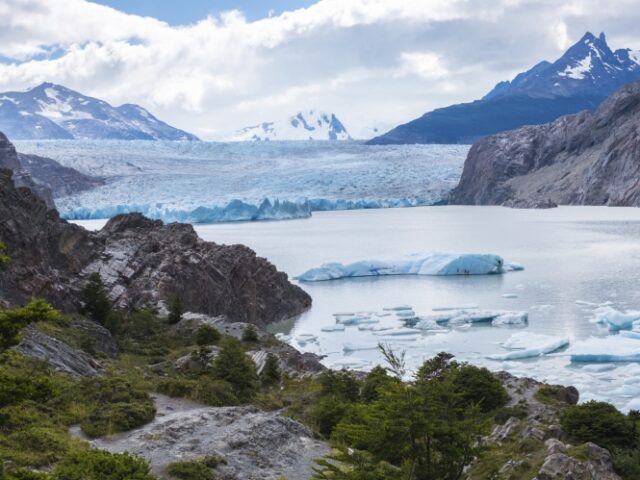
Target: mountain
(51, 111)
(582, 159)
(581, 79)
(309, 125)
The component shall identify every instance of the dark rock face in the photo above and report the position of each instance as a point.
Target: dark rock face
(141, 261)
(582, 159)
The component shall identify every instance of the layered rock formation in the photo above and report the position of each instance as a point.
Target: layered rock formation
(142, 262)
(583, 159)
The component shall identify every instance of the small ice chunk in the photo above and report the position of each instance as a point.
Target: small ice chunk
(509, 295)
(630, 334)
(511, 318)
(356, 320)
(417, 264)
(614, 319)
(528, 345)
(471, 306)
(427, 323)
(613, 348)
(599, 368)
(405, 313)
(400, 307)
(512, 267)
(355, 347)
(306, 338)
(338, 327)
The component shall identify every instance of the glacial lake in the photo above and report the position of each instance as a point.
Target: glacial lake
(570, 254)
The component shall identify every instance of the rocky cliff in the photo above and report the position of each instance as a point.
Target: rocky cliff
(141, 261)
(582, 159)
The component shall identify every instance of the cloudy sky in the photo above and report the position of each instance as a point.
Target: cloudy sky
(213, 66)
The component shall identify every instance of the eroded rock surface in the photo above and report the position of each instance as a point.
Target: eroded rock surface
(257, 445)
(582, 159)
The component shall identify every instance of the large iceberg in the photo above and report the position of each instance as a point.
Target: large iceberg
(437, 263)
(613, 348)
(528, 345)
(614, 319)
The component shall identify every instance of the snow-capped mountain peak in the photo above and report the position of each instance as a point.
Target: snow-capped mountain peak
(304, 125)
(55, 111)
(589, 67)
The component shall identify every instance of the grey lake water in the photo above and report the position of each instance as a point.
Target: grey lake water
(569, 254)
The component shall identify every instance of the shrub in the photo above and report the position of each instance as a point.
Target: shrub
(600, 423)
(116, 406)
(217, 393)
(18, 385)
(479, 386)
(376, 379)
(342, 385)
(101, 465)
(235, 367)
(96, 301)
(175, 309)
(207, 335)
(326, 414)
(14, 320)
(3, 258)
(190, 470)
(270, 374)
(249, 334)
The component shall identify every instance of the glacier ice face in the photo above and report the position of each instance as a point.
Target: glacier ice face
(202, 182)
(612, 348)
(528, 345)
(416, 264)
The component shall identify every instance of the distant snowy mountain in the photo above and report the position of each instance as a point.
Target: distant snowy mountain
(308, 125)
(581, 79)
(51, 111)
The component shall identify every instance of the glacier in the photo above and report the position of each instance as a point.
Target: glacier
(208, 182)
(437, 263)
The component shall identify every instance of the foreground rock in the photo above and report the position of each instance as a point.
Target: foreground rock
(583, 159)
(142, 262)
(256, 445)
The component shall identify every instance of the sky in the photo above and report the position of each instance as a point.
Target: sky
(213, 67)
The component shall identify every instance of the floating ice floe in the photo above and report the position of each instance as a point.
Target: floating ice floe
(356, 347)
(471, 306)
(528, 345)
(509, 295)
(398, 332)
(511, 318)
(400, 307)
(613, 348)
(416, 264)
(630, 334)
(306, 338)
(496, 317)
(429, 324)
(338, 327)
(405, 313)
(614, 319)
(355, 319)
(584, 303)
(374, 328)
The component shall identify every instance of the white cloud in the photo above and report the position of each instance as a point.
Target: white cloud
(372, 62)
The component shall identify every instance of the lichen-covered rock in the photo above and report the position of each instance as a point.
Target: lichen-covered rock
(582, 159)
(558, 463)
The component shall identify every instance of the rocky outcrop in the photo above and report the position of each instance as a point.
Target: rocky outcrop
(582, 159)
(142, 262)
(597, 463)
(256, 445)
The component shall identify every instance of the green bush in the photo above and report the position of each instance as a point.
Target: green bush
(190, 470)
(116, 406)
(249, 334)
(376, 379)
(207, 335)
(175, 309)
(3, 258)
(12, 321)
(326, 413)
(96, 301)
(204, 389)
(342, 385)
(101, 465)
(270, 374)
(478, 386)
(600, 423)
(234, 366)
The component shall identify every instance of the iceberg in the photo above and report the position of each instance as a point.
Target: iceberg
(338, 327)
(417, 264)
(511, 318)
(528, 345)
(613, 348)
(354, 347)
(614, 319)
(398, 332)
(630, 334)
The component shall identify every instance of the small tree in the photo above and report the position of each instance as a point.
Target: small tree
(175, 309)
(249, 334)
(234, 366)
(270, 374)
(207, 335)
(3, 258)
(14, 320)
(96, 301)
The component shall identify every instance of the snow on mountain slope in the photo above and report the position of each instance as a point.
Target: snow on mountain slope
(51, 111)
(308, 125)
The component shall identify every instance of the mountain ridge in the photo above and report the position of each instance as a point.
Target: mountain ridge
(304, 125)
(51, 111)
(587, 73)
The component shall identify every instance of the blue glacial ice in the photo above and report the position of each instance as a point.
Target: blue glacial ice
(220, 182)
(614, 319)
(527, 345)
(438, 263)
(612, 348)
